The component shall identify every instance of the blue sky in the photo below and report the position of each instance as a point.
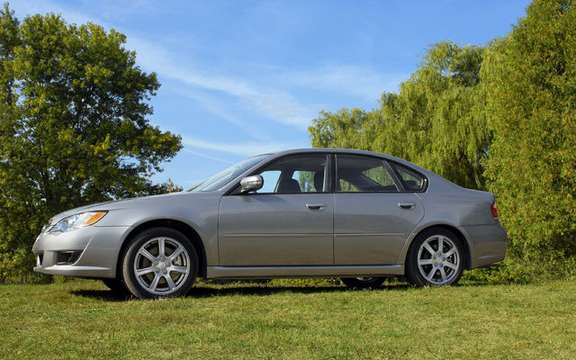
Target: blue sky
(246, 77)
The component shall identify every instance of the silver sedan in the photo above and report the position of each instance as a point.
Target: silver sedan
(357, 215)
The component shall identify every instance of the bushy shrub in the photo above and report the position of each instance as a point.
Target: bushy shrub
(502, 118)
(529, 80)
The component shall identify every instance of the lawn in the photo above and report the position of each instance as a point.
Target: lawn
(293, 320)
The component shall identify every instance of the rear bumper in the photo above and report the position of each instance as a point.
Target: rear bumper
(488, 244)
(96, 252)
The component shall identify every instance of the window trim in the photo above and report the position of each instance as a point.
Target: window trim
(399, 186)
(327, 173)
(426, 182)
(332, 172)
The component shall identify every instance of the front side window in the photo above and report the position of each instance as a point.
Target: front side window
(357, 173)
(295, 174)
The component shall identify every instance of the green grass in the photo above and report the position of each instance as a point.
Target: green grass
(293, 320)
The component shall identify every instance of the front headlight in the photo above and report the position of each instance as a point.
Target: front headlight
(77, 221)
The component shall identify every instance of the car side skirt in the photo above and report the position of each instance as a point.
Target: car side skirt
(239, 272)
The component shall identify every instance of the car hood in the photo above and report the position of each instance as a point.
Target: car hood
(121, 204)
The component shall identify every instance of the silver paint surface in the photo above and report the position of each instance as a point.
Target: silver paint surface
(277, 235)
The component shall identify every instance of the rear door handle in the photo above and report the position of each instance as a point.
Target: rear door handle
(315, 206)
(406, 205)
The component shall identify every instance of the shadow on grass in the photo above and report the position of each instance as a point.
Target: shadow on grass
(106, 295)
(203, 291)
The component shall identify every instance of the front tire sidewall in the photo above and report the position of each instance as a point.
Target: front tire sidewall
(128, 262)
(413, 274)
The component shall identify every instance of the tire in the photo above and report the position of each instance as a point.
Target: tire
(167, 273)
(117, 286)
(426, 266)
(363, 282)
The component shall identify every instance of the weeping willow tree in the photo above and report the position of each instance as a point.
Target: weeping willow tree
(530, 82)
(501, 118)
(436, 120)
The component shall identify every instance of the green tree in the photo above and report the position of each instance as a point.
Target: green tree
(530, 81)
(73, 126)
(436, 119)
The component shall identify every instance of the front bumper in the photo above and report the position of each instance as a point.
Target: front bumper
(86, 252)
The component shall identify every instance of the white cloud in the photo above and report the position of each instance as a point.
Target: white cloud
(269, 94)
(273, 100)
(357, 81)
(274, 103)
(206, 156)
(218, 108)
(241, 148)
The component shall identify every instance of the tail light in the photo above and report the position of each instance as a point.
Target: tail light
(494, 210)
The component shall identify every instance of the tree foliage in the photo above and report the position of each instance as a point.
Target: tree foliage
(501, 118)
(435, 120)
(73, 126)
(530, 81)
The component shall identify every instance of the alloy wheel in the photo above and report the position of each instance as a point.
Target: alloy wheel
(438, 260)
(161, 265)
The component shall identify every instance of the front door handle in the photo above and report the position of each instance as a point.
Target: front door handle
(406, 205)
(315, 206)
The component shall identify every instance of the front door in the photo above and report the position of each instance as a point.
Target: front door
(373, 214)
(289, 222)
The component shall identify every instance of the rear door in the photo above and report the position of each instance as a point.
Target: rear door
(373, 213)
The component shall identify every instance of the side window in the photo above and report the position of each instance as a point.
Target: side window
(295, 174)
(271, 178)
(357, 173)
(411, 180)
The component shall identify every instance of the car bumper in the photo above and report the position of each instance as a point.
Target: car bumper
(488, 242)
(87, 252)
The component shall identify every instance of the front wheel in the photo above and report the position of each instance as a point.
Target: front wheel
(365, 282)
(159, 262)
(436, 258)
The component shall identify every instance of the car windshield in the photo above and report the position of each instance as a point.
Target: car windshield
(219, 180)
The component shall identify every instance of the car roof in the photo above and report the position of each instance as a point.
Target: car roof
(333, 150)
(347, 151)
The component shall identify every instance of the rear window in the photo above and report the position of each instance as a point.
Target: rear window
(412, 180)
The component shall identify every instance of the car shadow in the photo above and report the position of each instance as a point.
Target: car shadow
(105, 295)
(202, 291)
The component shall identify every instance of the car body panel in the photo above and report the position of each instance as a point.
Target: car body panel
(99, 251)
(368, 236)
(371, 228)
(276, 229)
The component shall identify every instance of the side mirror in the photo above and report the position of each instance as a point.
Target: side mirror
(251, 183)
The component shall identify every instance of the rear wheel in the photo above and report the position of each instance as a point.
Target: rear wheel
(363, 282)
(436, 258)
(160, 262)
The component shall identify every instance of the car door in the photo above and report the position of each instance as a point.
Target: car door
(373, 215)
(289, 221)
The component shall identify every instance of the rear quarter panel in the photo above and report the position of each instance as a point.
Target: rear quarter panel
(466, 210)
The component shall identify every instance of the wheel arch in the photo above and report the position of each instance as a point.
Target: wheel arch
(181, 226)
(459, 234)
